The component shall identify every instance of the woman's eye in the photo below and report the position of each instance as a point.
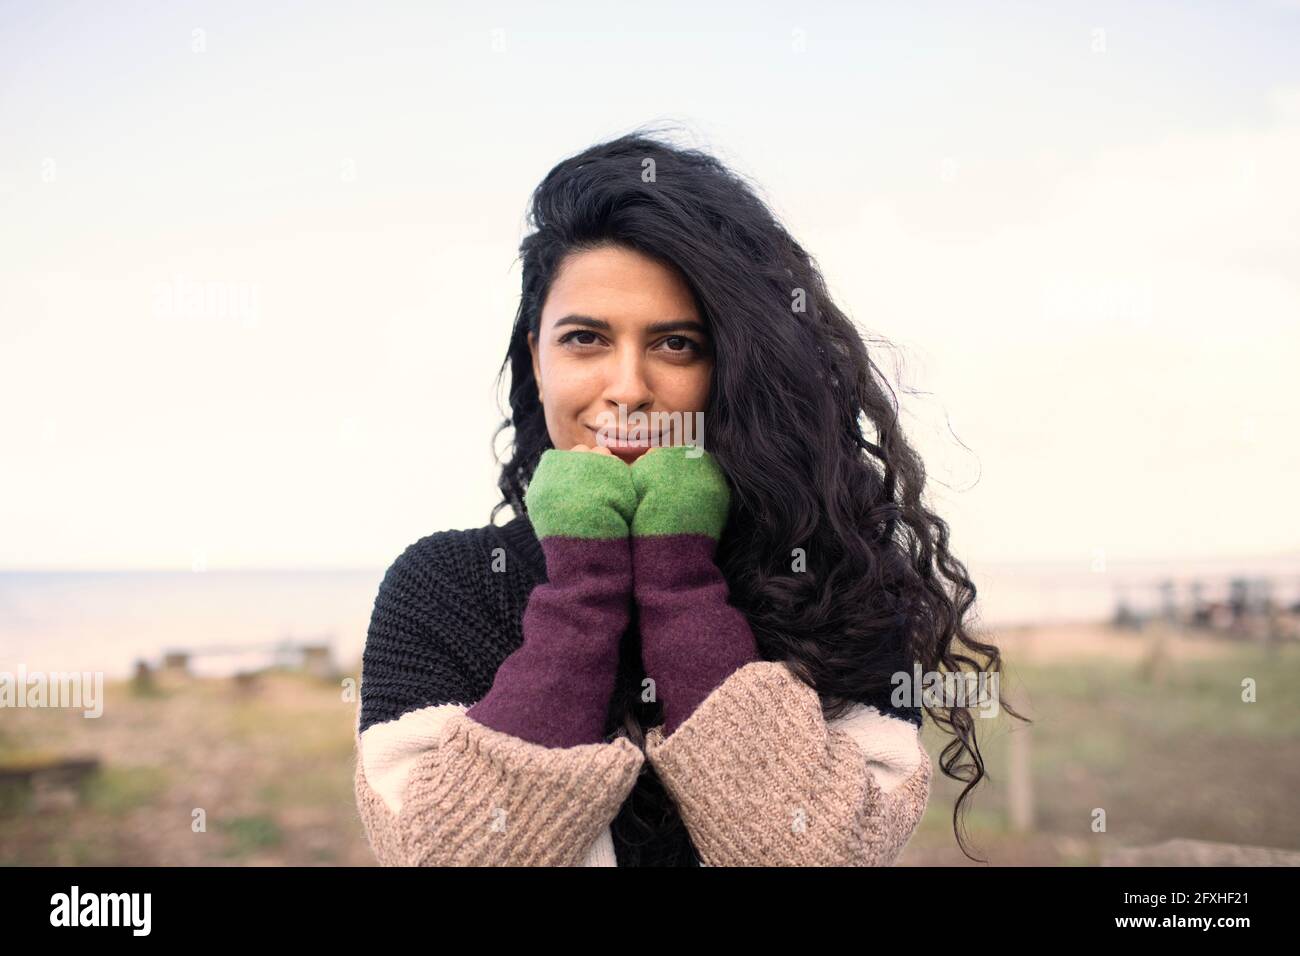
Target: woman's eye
(686, 345)
(568, 337)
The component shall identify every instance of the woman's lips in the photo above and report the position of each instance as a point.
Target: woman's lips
(629, 449)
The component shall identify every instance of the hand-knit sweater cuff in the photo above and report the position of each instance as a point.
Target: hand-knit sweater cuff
(761, 779)
(476, 797)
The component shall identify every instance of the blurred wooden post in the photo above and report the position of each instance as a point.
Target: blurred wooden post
(1274, 631)
(1154, 668)
(318, 661)
(142, 679)
(1020, 773)
(247, 682)
(1168, 601)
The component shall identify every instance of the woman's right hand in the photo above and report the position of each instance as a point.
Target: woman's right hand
(581, 492)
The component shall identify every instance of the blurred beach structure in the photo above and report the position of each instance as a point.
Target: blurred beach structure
(226, 733)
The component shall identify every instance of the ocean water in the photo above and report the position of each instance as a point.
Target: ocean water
(235, 620)
(1037, 592)
(229, 620)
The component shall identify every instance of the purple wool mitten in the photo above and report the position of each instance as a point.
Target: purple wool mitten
(692, 639)
(555, 689)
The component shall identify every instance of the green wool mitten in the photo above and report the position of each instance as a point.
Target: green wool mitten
(680, 489)
(580, 494)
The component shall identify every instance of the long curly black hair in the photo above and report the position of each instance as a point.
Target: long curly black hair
(806, 427)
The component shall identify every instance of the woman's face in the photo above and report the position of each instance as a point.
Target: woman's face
(620, 329)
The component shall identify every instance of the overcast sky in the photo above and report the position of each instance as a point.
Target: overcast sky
(1078, 224)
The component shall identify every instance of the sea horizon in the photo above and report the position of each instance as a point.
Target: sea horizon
(236, 619)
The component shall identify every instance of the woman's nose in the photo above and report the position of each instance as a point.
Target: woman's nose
(628, 384)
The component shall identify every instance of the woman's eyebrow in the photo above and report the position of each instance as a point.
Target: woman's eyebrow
(674, 325)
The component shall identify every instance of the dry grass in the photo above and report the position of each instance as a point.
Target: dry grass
(1167, 752)
(270, 773)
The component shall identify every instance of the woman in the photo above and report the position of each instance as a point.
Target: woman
(684, 648)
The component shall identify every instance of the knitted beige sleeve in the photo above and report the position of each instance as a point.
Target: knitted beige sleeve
(761, 779)
(436, 788)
